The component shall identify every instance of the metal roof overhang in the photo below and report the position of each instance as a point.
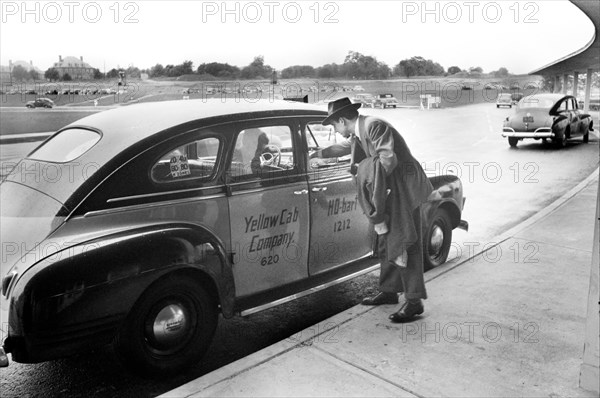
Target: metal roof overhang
(587, 57)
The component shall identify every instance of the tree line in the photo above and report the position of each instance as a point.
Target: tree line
(355, 66)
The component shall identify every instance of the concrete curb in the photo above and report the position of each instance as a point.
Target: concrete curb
(258, 358)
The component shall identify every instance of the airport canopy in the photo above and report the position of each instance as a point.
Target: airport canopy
(587, 57)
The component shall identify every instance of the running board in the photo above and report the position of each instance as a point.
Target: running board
(308, 291)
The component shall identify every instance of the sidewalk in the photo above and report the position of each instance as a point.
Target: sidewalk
(508, 322)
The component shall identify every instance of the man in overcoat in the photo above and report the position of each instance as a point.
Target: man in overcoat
(399, 231)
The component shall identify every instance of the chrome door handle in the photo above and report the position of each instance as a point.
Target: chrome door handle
(319, 189)
(302, 192)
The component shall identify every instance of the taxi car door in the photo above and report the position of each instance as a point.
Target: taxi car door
(339, 231)
(268, 207)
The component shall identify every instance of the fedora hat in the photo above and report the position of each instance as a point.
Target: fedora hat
(335, 107)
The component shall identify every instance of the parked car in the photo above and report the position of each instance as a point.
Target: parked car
(204, 207)
(548, 116)
(594, 102)
(504, 99)
(40, 103)
(367, 100)
(516, 97)
(385, 101)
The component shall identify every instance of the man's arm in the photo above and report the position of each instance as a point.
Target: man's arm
(382, 138)
(333, 151)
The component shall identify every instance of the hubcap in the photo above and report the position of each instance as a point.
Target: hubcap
(437, 240)
(170, 325)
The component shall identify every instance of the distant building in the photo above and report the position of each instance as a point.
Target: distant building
(5, 71)
(4, 74)
(28, 66)
(75, 67)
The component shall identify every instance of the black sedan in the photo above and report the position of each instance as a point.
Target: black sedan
(548, 116)
(40, 103)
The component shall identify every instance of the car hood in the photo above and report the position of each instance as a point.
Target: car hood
(27, 218)
(541, 118)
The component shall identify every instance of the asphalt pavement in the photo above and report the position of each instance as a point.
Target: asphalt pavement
(507, 322)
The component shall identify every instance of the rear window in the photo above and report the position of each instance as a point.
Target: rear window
(66, 146)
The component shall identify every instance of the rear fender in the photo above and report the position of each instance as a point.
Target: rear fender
(560, 126)
(103, 278)
(447, 195)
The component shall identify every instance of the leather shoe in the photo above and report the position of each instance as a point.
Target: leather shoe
(381, 298)
(407, 312)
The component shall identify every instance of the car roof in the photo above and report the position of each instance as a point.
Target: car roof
(127, 125)
(129, 130)
(552, 96)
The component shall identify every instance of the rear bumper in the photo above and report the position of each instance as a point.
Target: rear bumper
(542, 132)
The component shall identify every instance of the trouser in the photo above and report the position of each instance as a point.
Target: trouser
(410, 279)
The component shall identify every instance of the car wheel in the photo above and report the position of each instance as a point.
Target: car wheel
(512, 141)
(561, 141)
(497, 106)
(169, 329)
(436, 242)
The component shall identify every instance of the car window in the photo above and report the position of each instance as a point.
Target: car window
(261, 152)
(562, 107)
(196, 159)
(319, 136)
(536, 102)
(569, 104)
(66, 146)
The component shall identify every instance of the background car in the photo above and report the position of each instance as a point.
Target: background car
(504, 99)
(385, 101)
(548, 116)
(40, 103)
(140, 240)
(367, 100)
(516, 97)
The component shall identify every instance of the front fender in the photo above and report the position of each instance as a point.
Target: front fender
(84, 293)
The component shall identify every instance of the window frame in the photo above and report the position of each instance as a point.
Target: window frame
(201, 134)
(291, 122)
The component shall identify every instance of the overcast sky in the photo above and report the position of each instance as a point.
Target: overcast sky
(519, 35)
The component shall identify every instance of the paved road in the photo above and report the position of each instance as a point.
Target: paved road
(503, 186)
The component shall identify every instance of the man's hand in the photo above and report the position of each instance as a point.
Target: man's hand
(316, 154)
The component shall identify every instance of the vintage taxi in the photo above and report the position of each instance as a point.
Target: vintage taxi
(548, 116)
(138, 226)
